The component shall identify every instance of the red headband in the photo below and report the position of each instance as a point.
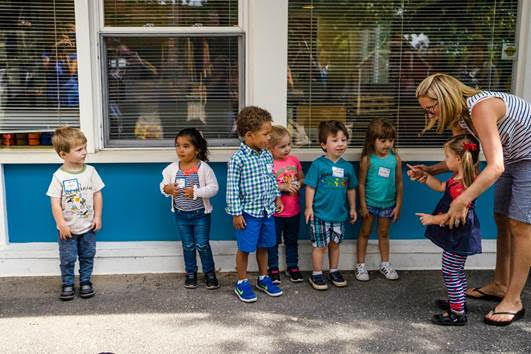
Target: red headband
(470, 146)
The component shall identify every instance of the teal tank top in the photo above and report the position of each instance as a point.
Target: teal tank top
(380, 186)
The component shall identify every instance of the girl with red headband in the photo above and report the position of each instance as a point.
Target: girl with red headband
(461, 156)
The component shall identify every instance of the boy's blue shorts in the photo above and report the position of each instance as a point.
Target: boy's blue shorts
(258, 233)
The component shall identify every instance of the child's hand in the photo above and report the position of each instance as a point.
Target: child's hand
(308, 215)
(425, 219)
(171, 189)
(288, 188)
(417, 173)
(396, 213)
(189, 192)
(353, 215)
(364, 211)
(238, 222)
(96, 224)
(279, 206)
(64, 231)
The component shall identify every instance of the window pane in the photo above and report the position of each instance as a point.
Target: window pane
(38, 68)
(181, 13)
(358, 60)
(159, 85)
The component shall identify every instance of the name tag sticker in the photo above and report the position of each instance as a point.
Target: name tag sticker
(181, 182)
(269, 167)
(338, 172)
(384, 172)
(71, 185)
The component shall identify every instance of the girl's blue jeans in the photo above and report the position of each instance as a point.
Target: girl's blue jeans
(194, 229)
(82, 246)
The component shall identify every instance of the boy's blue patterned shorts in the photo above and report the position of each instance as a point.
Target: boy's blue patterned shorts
(323, 232)
(381, 212)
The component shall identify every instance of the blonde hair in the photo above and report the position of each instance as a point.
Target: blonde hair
(277, 133)
(451, 95)
(65, 138)
(463, 147)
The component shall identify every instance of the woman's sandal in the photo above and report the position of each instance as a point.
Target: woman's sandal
(484, 296)
(516, 316)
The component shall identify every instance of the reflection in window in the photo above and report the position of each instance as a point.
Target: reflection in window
(38, 70)
(357, 60)
(171, 13)
(159, 85)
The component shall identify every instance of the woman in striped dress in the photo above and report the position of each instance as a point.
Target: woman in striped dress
(502, 123)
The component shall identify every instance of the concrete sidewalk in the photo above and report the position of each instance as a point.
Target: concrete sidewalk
(154, 313)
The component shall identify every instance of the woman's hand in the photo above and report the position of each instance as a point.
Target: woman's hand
(418, 173)
(456, 215)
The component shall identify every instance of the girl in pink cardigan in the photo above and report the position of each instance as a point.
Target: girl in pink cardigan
(190, 182)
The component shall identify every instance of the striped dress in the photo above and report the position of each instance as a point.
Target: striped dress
(514, 128)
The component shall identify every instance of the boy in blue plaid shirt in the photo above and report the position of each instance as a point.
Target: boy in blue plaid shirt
(252, 198)
(330, 183)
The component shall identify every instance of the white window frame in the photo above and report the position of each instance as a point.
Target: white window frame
(264, 74)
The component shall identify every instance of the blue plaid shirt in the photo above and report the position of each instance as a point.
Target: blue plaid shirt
(251, 186)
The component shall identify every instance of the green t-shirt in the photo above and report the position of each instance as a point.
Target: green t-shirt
(380, 186)
(331, 182)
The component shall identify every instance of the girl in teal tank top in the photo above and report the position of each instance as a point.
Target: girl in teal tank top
(380, 193)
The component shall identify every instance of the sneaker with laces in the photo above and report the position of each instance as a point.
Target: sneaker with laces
(318, 282)
(388, 272)
(190, 282)
(294, 275)
(337, 279)
(274, 274)
(211, 281)
(245, 292)
(361, 272)
(86, 290)
(267, 286)
(67, 293)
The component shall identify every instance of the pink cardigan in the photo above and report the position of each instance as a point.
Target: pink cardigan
(208, 184)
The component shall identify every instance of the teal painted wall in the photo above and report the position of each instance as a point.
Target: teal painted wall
(134, 209)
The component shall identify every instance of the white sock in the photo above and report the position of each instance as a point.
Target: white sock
(317, 273)
(360, 265)
(261, 277)
(333, 270)
(241, 281)
(385, 264)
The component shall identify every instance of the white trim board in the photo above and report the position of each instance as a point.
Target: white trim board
(39, 259)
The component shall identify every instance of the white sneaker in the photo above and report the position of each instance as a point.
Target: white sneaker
(361, 272)
(387, 271)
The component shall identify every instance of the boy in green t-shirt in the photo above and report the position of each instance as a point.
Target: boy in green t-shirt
(330, 182)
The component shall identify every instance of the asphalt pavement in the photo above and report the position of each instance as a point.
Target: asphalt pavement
(154, 313)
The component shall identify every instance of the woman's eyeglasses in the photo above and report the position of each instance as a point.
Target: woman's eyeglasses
(430, 110)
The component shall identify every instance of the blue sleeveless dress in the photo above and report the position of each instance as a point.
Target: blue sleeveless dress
(464, 240)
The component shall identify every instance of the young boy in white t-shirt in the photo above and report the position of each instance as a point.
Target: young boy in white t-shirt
(75, 192)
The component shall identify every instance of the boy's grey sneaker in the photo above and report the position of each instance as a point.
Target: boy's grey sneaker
(361, 272)
(387, 271)
(337, 279)
(86, 290)
(190, 282)
(318, 282)
(211, 281)
(67, 293)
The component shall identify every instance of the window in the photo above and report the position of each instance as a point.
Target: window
(38, 70)
(357, 60)
(158, 82)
